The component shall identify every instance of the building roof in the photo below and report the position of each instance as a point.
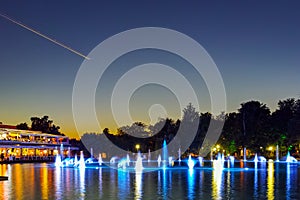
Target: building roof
(11, 128)
(8, 126)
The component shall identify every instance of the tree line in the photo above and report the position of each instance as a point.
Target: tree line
(43, 124)
(253, 126)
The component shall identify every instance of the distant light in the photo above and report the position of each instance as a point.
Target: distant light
(270, 148)
(218, 146)
(137, 146)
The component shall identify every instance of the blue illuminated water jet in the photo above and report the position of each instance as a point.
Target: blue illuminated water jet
(81, 161)
(100, 161)
(128, 160)
(165, 154)
(58, 162)
(255, 158)
(290, 159)
(200, 160)
(190, 162)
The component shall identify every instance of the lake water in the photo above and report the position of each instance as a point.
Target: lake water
(44, 181)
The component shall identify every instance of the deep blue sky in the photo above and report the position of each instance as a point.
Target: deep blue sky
(255, 46)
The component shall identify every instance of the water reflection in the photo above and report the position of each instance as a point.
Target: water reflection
(228, 188)
(58, 183)
(44, 181)
(4, 185)
(288, 180)
(255, 184)
(138, 186)
(201, 182)
(82, 183)
(159, 192)
(123, 183)
(164, 186)
(263, 187)
(100, 183)
(270, 181)
(3, 170)
(191, 184)
(217, 181)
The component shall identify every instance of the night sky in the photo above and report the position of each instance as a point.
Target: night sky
(255, 45)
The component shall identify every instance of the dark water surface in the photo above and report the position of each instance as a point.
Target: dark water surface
(44, 181)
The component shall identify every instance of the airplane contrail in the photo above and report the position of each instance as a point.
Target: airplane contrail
(44, 36)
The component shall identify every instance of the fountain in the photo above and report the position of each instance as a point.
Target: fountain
(222, 157)
(165, 154)
(122, 163)
(128, 160)
(149, 155)
(61, 151)
(290, 159)
(244, 152)
(170, 161)
(92, 152)
(81, 161)
(262, 159)
(139, 163)
(76, 160)
(158, 160)
(231, 158)
(190, 162)
(113, 160)
(69, 152)
(219, 163)
(277, 153)
(255, 158)
(100, 161)
(200, 160)
(179, 156)
(164, 161)
(58, 162)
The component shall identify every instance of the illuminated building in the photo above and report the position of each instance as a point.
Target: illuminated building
(27, 145)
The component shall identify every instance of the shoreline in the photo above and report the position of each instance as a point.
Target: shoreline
(37, 160)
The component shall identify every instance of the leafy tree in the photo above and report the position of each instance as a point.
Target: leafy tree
(284, 113)
(286, 122)
(44, 125)
(22, 126)
(255, 118)
(137, 129)
(232, 134)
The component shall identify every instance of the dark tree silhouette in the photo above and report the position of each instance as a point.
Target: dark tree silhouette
(22, 126)
(44, 125)
(255, 120)
(253, 126)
